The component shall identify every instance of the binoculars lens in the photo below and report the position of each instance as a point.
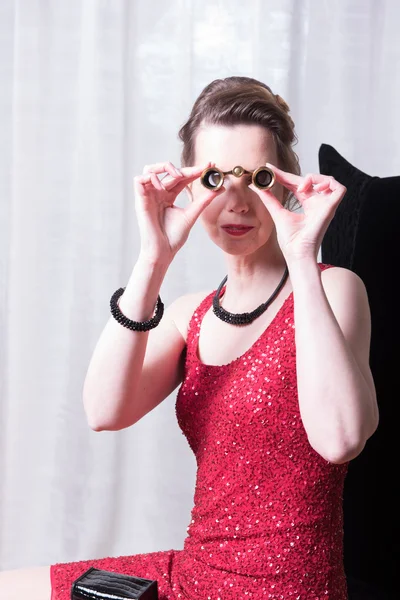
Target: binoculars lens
(263, 178)
(212, 179)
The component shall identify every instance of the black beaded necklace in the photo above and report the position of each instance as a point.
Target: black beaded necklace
(245, 318)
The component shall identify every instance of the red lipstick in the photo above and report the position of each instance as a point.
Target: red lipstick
(236, 229)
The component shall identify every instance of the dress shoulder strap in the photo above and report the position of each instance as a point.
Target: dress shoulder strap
(195, 322)
(324, 266)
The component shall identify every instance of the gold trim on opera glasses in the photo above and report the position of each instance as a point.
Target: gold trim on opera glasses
(213, 178)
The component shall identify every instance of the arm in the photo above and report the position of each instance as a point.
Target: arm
(332, 330)
(132, 371)
(332, 320)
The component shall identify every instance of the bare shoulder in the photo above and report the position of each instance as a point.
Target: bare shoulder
(343, 283)
(348, 298)
(182, 309)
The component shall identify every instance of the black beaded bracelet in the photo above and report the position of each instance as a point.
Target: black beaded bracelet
(135, 325)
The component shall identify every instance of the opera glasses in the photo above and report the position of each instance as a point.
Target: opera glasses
(213, 178)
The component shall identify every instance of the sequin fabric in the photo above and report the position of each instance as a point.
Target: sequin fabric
(267, 519)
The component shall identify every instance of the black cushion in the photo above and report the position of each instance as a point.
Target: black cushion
(364, 236)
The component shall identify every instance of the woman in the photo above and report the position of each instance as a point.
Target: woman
(275, 407)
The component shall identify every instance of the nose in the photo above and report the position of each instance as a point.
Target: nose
(238, 195)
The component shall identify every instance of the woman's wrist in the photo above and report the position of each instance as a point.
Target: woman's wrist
(142, 290)
(305, 274)
(152, 266)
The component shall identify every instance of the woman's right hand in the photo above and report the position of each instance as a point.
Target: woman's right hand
(164, 227)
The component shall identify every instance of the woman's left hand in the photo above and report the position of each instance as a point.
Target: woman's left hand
(300, 234)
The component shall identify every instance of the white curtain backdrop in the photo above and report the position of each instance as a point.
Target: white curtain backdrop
(90, 92)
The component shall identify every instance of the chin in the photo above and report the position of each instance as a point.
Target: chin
(239, 247)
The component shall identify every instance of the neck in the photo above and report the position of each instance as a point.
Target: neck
(253, 278)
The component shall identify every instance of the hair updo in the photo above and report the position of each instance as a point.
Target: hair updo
(237, 100)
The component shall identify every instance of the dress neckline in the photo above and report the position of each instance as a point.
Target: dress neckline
(206, 305)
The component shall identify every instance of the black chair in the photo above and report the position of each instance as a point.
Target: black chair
(364, 236)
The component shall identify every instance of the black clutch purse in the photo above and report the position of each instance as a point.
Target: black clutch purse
(96, 584)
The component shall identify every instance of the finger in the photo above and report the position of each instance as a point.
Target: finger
(289, 180)
(295, 183)
(178, 186)
(160, 184)
(306, 184)
(141, 183)
(156, 182)
(318, 179)
(144, 179)
(168, 183)
(165, 167)
(328, 184)
(152, 177)
(270, 201)
(196, 170)
(322, 187)
(338, 193)
(194, 209)
(189, 174)
(138, 186)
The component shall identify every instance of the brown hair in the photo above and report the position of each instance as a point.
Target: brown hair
(235, 100)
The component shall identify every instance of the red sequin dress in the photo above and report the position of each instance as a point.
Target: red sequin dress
(267, 515)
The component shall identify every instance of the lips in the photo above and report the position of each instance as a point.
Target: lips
(237, 226)
(237, 229)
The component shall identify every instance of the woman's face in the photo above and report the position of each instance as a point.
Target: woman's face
(249, 146)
